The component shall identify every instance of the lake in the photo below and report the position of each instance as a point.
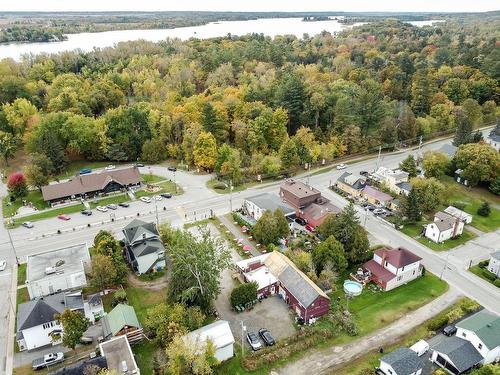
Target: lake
(267, 26)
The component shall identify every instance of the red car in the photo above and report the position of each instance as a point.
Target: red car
(63, 217)
(310, 228)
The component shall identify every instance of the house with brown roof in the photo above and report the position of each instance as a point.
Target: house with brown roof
(307, 202)
(274, 274)
(391, 268)
(89, 185)
(376, 197)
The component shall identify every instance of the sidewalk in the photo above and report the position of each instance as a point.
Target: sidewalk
(236, 232)
(323, 361)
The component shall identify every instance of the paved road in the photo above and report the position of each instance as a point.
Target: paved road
(198, 201)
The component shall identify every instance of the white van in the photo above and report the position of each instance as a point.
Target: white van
(420, 347)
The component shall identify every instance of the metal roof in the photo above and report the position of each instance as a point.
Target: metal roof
(121, 316)
(486, 325)
(271, 202)
(219, 333)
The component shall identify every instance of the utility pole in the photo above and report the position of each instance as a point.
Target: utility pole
(231, 195)
(156, 211)
(243, 329)
(378, 158)
(445, 265)
(13, 248)
(418, 151)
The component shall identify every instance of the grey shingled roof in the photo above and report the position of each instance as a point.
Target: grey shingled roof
(39, 311)
(299, 287)
(448, 149)
(358, 184)
(461, 352)
(136, 228)
(496, 255)
(80, 367)
(271, 202)
(404, 361)
(405, 186)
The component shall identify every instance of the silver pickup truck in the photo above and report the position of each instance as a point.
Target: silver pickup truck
(48, 360)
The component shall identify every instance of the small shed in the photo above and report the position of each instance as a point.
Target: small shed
(459, 214)
(122, 320)
(219, 333)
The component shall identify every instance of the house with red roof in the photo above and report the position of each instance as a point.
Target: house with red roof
(391, 268)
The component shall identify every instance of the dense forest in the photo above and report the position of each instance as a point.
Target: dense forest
(252, 105)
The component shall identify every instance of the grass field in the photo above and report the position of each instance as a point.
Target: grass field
(213, 182)
(152, 178)
(483, 273)
(49, 213)
(34, 196)
(114, 199)
(21, 274)
(166, 187)
(413, 230)
(472, 198)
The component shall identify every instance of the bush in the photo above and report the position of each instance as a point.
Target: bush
(468, 306)
(119, 296)
(484, 209)
(488, 275)
(243, 294)
(437, 323)
(497, 283)
(483, 264)
(220, 186)
(16, 183)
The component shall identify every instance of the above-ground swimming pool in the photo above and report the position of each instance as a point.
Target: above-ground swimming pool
(352, 288)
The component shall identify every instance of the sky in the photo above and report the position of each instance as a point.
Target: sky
(252, 5)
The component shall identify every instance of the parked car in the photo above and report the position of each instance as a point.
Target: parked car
(267, 337)
(146, 199)
(3, 264)
(63, 217)
(172, 169)
(364, 173)
(310, 228)
(139, 164)
(86, 212)
(449, 330)
(27, 224)
(123, 204)
(84, 340)
(157, 197)
(300, 221)
(112, 206)
(85, 171)
(370, 207)
(341, 166)
(48, 360)
(166, 195)
(110, 167)
(101, 208)
(378, 211)
(254, 341)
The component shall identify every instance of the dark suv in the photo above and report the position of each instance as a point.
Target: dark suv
(449, 330)
(266, 337)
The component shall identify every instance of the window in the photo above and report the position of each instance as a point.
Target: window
(479, 346)
(464, 334)
(402, 269)
(399, 278)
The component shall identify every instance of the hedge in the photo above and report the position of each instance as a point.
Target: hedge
(244, 294)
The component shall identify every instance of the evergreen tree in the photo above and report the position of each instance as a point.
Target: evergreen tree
(412, 207)
(484, 209)
(211, 123)
(464, 128)
(409, 165)
(290, 95)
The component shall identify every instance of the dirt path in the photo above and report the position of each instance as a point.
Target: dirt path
(157, 284)
(324, 361)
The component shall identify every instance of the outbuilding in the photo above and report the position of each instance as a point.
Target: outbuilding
(220, 335)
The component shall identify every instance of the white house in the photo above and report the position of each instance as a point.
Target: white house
(494, 264)
(459, 214)
(395, 180)
(477, 341)
(444, 227)
(36, 320)
(255, 206)
(391, 268)
(402, 361)
(219, 333)
(57, 270)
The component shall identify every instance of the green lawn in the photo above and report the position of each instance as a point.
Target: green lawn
(413, 230)
(22, 296)
(142, 299)
(34, 196)
(472, 198)
(49, 213)
(152, 178)
(213, 182)
(144, 353)
(114, 199)
(21, 274)
(375, 309)
(483, 274)
(166, 187)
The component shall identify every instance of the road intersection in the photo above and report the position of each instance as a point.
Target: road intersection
(198, 202)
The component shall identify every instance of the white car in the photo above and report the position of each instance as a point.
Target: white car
(101, 208)
(146, 199)
(110, 167)
(27, 224)
(341, 166)
(3, 264)
(158, 198)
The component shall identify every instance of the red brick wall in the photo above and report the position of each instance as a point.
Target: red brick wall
(320, 308)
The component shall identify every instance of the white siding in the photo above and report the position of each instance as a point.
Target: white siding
(57, 283)
(224, 353)
(494, 266)
(36, 337)
(253, 210)
(409, 268)
(489, 355)
(387, 369)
